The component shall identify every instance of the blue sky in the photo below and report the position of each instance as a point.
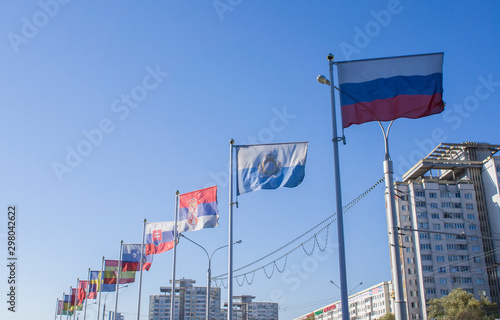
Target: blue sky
(151, 92)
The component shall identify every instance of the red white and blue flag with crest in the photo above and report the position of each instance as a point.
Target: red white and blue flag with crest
(390, 88)
(159, 237)
(198, 210)
(131, 258)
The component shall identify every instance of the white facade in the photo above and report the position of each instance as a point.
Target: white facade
(449, 204)
(246, 309)
(446, 252)
(491, 182)
(188, 299)
(369, 304)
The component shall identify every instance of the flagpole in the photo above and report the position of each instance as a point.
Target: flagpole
(390, 202)
(86, 296)
(69, 302)
(62, 310)
(172, 295)
(140, 276)
(101, 274)
(118, 279)
(344, 298)
(57, 306)
(230, 242)
(76, 298)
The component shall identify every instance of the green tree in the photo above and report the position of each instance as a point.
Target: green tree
(388, 316)
(461, 305)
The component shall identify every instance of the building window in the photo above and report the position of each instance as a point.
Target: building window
(471, 216)
(479, 281)
(430, 291)
(423, 225)
(424, 235)
(410, 260)
(420, 204)
(404, 208)
(434, 205)
(443, 280)
(437, 237)
(477, 259)
(442, 270)
(438, 247)
(427, 268)
(451, 205)
(436, 226)
(404, 197)
(419, 194)
(469, 206)
(444, 292)
(472, 227)
(421, 214)
(425, 246)
(435, 215)
(450, 194)
(475, 248)
(408, 239)
(428, 280)
(426, 257)
(432, 195)
(468, 196)
(440, 258)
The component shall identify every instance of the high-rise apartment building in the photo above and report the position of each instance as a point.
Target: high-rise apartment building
(189, 302)
(449, 214)
(369, 304)
(246, 309)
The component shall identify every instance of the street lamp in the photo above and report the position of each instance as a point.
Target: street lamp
(355, 287)
(351, 289)
(209, 272)
(104, 308)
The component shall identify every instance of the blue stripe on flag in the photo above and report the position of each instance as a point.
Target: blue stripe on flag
(386, 88)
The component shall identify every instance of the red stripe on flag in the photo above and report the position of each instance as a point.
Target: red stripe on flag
(402, 106)
(206, 195)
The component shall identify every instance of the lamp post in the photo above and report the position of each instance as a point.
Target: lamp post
(209, 272)
(338, 194)
(105, 297)
(351, 289)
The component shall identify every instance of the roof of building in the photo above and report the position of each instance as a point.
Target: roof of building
(450, 158)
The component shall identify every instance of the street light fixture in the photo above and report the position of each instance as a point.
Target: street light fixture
(209, 272)
(104, 307)
(323, 80)
(351, 289)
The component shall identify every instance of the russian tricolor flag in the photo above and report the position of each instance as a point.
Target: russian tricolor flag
(389, 88)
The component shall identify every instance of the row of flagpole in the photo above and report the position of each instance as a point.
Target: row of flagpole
(364, 97)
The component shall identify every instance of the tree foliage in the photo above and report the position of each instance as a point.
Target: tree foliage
(388, 316)
(461, 305)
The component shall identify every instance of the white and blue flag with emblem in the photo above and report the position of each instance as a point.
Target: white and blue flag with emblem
(270, 166)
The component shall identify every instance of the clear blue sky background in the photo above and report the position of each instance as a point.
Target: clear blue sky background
(230, 73)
